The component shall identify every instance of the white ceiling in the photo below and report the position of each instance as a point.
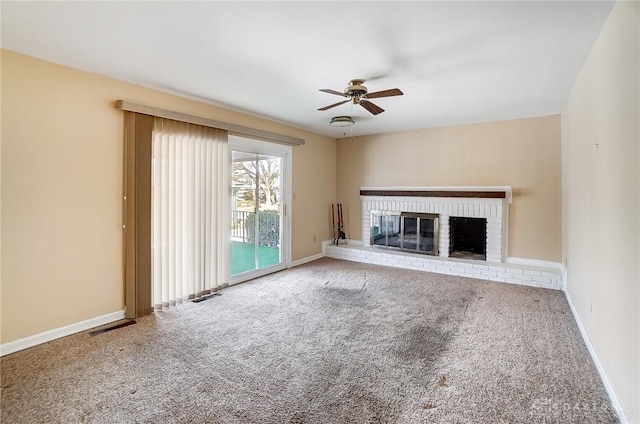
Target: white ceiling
(456, 62)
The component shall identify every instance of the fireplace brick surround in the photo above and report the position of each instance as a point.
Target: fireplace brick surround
(494, 210)
(491, 203)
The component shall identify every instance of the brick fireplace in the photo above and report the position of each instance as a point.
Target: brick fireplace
(489, 203)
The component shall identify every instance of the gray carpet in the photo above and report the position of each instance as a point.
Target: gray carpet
(327, 342)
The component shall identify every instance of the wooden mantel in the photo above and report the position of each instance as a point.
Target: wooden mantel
(468, 192)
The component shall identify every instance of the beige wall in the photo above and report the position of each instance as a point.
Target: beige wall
(601, 201)
(523, 154)
(62, 143)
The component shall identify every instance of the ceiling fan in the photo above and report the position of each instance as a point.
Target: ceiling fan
(359, 95)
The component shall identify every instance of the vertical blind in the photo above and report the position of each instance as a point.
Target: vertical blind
(190, 211)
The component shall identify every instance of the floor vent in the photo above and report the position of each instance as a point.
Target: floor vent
(203, 298)
(113, 327)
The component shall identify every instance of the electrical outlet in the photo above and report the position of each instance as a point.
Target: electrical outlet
(314, 239)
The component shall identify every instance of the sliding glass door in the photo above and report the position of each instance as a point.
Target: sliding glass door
(259, 224)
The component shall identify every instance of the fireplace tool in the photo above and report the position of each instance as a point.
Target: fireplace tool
(336, 218)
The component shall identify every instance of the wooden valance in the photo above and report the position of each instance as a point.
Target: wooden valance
(206, 122)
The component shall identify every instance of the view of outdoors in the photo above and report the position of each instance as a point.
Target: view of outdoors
(255, 181)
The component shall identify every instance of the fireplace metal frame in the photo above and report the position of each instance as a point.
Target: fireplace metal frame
(402, 215)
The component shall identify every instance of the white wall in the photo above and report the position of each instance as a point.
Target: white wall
(601, 202)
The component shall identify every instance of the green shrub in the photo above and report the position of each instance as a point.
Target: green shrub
(268, 228)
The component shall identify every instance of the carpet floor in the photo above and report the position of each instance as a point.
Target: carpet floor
(326, 342)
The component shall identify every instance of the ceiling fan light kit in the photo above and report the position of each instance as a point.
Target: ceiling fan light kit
(341, 121)
(359, 95)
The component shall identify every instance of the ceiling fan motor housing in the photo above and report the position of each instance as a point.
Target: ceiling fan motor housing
(356, 88)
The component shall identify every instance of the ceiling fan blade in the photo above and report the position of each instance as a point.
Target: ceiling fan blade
(330, 91)
(371, 107)
(334, 105)
(385, 93)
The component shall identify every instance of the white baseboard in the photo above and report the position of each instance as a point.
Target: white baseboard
(307, 259)
(57, 333)
(615, 402)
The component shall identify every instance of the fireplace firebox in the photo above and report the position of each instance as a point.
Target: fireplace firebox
(468, 238)
(406, 231)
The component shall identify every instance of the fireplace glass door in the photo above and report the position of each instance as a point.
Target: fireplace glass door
(385, 229)
(407, 231)
(419, 232)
